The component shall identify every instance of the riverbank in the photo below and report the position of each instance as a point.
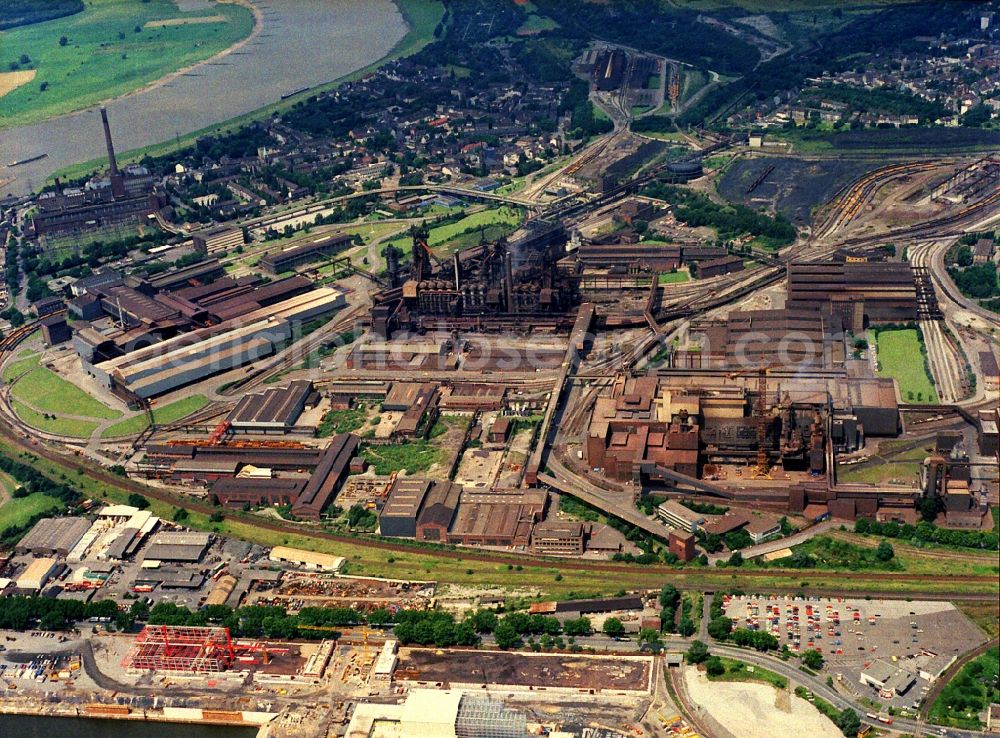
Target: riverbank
(79, 74)
(341, 42)
(421, 18)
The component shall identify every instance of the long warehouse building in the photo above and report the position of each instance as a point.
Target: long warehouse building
(178, 361)
(860, 293)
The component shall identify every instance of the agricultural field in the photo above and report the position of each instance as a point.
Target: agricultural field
(899, 355)
(164, 414)
(111, 48)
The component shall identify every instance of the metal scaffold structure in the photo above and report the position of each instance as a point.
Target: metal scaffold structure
(181, 649)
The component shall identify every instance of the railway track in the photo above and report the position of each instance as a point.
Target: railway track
(847, 204)
(929, 229)
(194, 505)
(9, 342)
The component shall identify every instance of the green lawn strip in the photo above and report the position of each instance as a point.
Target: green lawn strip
(104, 57)
(874, 473)
(819, 703)
(447, 235)
(71, 427)
(899, 356)
(170, 413)
(47, 392)
(20, 510)
(739, 671)
(422, 17)
(969, 693)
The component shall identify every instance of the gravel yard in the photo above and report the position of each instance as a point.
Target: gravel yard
(748, 709)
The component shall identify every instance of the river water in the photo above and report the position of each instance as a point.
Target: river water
(302, 43)
(26, 726)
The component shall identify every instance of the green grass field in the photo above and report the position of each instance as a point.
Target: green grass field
(415, 457)
(105, 57)
(674, 277)
(20, 510)
(449, 238)
(161, 415)
(536, 24)
(899, 356)
(47, 392)
(738, 671)
(71, 427)
(968, 693)
(422, 17)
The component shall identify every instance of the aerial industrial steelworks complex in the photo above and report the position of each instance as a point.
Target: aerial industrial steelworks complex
(537, 404)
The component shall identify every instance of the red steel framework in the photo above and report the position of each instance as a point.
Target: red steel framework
(182, 649)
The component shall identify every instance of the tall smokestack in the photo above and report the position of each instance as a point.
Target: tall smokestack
(117, 181)
(509, 282)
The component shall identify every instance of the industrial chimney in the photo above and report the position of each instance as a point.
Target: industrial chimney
(508, 282)
(117, 181)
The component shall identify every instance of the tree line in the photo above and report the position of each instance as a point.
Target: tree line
(695, 210)
(925, 532)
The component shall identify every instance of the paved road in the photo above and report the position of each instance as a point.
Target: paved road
(564, 479)
(771, 546)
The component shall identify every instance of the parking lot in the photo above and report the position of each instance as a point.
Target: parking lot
(919, 637)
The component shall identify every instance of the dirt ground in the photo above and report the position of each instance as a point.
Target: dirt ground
(551, 670)
(186, 21)
(748, 709)
(10, 81)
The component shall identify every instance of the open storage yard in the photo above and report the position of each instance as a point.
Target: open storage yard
(316, 590)
(793, 187)
(557, 671)
(749, 710)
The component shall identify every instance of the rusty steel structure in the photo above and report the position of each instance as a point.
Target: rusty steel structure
(183, 649)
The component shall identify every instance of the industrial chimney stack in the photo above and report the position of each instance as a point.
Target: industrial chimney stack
(117, 181)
